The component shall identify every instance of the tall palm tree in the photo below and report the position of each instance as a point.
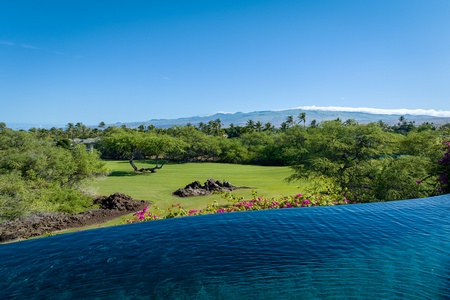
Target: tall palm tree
(302, 118)
(268, 127)
(289, 121)
(250, 126)
(258, 126)
(69, 129)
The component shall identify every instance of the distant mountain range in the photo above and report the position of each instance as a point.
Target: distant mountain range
(277, 117)
(274, 117)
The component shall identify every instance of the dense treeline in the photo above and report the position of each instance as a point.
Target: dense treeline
(363, 162)
(43, 170)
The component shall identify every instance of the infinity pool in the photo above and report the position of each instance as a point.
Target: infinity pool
(393, 250)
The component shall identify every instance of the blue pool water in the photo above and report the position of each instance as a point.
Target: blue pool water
(393, 250)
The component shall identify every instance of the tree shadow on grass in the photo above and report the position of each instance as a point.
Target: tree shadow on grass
(123, 173)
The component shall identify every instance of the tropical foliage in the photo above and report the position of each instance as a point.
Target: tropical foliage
(372, 162)
(37, 175)
(43, 170)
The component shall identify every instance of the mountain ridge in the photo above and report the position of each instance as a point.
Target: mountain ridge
(275, 117)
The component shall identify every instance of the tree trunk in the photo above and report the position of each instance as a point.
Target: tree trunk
(132, 164)
(152, 170)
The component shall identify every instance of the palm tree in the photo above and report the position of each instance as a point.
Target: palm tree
(203, 127)
(302, 118)
(69, 130)
(217, 126)
(289, 121)
(250, 125)
(268, 127)
(258, 126)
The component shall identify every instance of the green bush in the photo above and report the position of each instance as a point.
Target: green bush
(36, 175)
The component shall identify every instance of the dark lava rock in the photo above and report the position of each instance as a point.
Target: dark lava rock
(196, 189)
(119, 202)
(111, 207)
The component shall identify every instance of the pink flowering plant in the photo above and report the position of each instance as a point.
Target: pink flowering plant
(444, 169)
(237, 204)
(143, 215)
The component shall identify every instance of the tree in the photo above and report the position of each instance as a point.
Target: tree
(258, 126)
(131, 144)
(342, 153)
(124, 143)
(269, 127)
(70, 128)
(214, 127)
(233, 131)
(36, 175)
(203, 127)
(290, 121)
(302, 118)
(81, 130)
(232, 151)
(403, 126)
(153, 145)
(250, 126)
(426, 126)
(256, 144)
(194, 144)
(402, 178)
(370, 164)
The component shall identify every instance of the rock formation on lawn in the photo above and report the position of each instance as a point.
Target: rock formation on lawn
(211, 185)
(111, 207)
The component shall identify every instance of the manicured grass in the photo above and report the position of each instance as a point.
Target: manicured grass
(158, 187)
(268, 182)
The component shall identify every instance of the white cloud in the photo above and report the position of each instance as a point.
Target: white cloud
(29, 46)
(382, 111)
(7, 43)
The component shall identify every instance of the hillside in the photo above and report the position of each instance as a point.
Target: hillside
(277, 117)
(274, 117)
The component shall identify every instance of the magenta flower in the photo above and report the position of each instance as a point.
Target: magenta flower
(419, 181)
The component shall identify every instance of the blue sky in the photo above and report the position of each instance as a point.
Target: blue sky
(120, 61)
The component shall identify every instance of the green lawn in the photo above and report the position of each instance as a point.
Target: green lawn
(158, 187)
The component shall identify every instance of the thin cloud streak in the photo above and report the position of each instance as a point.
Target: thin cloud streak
(382, 111)
(7, 43)
(29, 47)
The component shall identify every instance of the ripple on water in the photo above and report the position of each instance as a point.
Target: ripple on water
(382, 250)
